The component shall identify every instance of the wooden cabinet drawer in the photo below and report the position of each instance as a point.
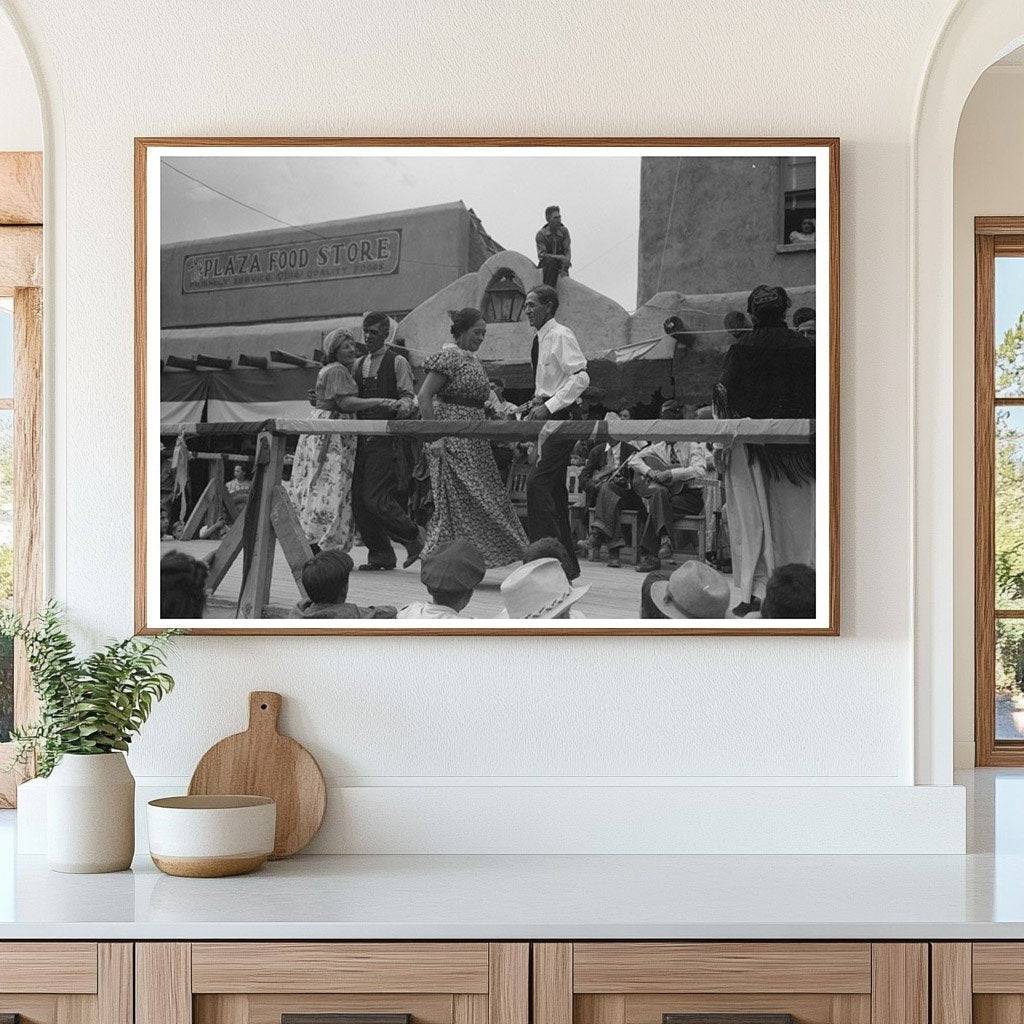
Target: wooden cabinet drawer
(340, 967)
(259, 982)
(981, 982)
(722, 967)
(66, 982)
(814, 982)
(48, 967)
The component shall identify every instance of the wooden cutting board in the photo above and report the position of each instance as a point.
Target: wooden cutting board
(262, 762)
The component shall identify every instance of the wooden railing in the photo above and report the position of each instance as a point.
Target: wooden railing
(270, 518)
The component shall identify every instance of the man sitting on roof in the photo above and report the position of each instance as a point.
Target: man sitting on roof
(553, 247)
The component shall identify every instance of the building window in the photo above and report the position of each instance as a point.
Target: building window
(503, 298)
(797, 212)
(999, 491)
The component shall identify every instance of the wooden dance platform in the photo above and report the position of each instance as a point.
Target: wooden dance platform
(614, 593)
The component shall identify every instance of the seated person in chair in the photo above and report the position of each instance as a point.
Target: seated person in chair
(670, 476)
(606, 481)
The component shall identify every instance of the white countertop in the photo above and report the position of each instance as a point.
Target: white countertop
(531, 897)
(978, 896)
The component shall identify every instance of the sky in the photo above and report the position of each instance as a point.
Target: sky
(6, 350)
(599, 197)
(1009, 293)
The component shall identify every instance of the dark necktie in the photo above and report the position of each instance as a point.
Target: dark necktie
(535, 353)
(673, 457)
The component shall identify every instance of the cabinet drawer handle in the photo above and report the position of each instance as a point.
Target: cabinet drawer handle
(338, 1018)
(728, 1018)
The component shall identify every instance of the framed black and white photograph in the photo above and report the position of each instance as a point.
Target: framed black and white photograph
(474, 386)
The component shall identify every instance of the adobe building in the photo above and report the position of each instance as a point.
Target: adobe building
(285, 288)
(630, 359)
(712, 225)
(498, 289)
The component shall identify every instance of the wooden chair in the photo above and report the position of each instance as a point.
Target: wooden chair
(577, 496)
(578, 512)
(517, 477)
(631, 520)
(701, 524)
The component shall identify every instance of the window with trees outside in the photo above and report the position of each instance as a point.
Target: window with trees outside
(6, 510)
(999, 491)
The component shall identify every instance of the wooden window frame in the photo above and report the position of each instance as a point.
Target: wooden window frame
(782, 246)
(21, 277)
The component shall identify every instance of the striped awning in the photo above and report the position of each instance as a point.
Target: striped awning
(234, 396)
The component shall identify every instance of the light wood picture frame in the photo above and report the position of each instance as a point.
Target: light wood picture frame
(181, 306)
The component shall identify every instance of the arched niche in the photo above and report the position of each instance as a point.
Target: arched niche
(975, 35)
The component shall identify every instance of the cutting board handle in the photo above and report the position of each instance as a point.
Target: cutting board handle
(264, 710)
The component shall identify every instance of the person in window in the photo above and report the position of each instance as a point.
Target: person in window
(470, 499)
(322, 471)
(553, 247)
(805, 232)
(560, 378)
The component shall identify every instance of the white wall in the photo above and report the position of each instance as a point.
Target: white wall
(988, 181)
(21, 125)
(432, 717)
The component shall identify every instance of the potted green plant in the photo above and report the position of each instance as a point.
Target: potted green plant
(89, 710)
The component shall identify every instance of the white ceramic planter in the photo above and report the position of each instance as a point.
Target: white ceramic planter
(90, 814)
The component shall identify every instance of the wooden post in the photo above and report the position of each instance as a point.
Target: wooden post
(260, 569)
(290, 535)
(213, 504)
(216, 487)
(226, 553)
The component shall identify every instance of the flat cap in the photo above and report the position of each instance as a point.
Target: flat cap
(457, 565)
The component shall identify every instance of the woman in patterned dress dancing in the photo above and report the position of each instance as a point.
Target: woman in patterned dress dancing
(470, 500)
(321, 483)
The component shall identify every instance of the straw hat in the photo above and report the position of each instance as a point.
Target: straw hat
(539, 590)
(693, 591)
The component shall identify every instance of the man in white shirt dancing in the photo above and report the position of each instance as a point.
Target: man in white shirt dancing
(560, 379)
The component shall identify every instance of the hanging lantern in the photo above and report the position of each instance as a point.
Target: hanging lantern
(503, 298)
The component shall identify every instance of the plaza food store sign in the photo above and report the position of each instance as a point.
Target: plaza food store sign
(371, 254)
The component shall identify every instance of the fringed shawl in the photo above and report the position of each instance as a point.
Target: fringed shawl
(771, 375)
